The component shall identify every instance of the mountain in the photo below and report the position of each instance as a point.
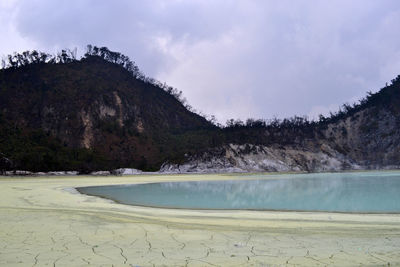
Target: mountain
(101, 113)
(89, 114)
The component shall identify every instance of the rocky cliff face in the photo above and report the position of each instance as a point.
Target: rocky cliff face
(369, 137)
(257, 158)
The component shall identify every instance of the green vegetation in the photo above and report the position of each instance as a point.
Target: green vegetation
(36, 151)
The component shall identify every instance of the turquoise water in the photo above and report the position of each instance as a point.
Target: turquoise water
(340, 192)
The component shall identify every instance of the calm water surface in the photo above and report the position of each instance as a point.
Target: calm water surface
(341, 192)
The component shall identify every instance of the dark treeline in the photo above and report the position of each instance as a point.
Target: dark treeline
(293, 122)
(266, 132)
(25, 58)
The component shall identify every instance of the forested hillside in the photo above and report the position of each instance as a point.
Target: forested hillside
(100, 112)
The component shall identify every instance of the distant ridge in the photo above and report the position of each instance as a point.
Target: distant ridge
(100, 112)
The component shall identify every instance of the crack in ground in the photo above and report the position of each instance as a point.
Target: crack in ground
(209, 248)
(373, 256)
(209, 263)
(83, 242)
(27, 238)
(248, 239)
(59, 258)
(147, 240)
(252, 251)
(133, 242)
(260, 255)
(36, 259)
(179, 242)
(88, 262)
(98, 254)
(96, 230)
(65, 245)
(205, 256)
(314, 259)
(27, 201)
(122, 253)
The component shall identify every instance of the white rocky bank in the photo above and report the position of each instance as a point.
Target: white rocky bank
(247, 158)
(122, 171)
(257, 158)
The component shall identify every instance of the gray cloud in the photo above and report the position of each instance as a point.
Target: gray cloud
(231, 58)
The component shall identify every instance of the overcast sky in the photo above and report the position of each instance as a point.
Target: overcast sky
(232, 59)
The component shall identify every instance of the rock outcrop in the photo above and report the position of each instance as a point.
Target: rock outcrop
(256, 158)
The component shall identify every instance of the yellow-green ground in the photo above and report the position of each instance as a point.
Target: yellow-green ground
(43, 223)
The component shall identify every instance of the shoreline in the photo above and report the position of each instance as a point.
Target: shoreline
(22, 173)
(40, 214)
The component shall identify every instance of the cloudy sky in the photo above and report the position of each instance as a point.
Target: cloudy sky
(233, 59)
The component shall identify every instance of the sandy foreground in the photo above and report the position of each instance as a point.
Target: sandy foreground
(43, 222)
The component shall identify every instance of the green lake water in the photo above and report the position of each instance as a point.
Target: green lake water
(376, 192)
